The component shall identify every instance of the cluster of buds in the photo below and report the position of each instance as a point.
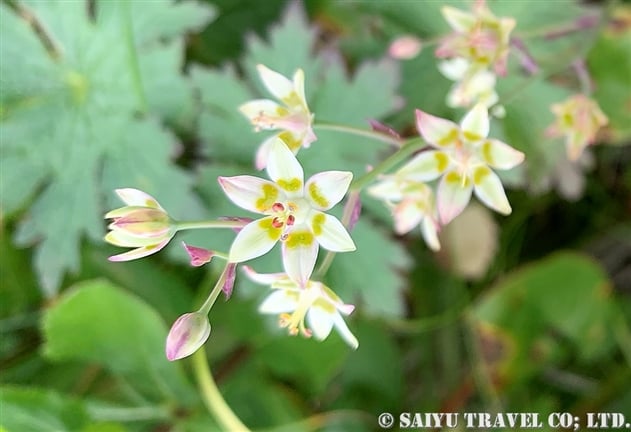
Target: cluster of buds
(461, 158)
(474, 54)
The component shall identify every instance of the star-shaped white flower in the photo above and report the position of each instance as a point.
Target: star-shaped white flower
(313, 301)
(292, 116)
(293, 213)
(463, 159)
(412, 204)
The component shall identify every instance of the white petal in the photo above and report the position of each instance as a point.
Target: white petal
(406, 215)
(285, 170)
(344, 331)
(255, 239)
(454, 69)
(458, 20)
(135, 197)
(426, 166)
(437, 131)
(388, 189)
(262, 278)
(300, 251)
(453, 195)
(325, 189)
(251, 193)
(124, 239)
(299, 87)
(277, 84)
(475, 124)
(488, 188)
(279, 301)
(330, 233)
(429, 229)
(139, 253)
(500, 155)
(320, 322)
(258, 108)
(262, 154)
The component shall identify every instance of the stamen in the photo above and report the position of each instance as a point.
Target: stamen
(278, 207)
(276, 223)
(291, 220)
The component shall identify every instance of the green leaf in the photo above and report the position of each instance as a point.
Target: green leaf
(566, 294)
(119, 332)
(76, 101)
(34, 410)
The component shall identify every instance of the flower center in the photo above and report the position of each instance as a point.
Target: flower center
(295, 322)
(283, 214)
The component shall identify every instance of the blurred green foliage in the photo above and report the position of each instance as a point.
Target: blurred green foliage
(98, 95)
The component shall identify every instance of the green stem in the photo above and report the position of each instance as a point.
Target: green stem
(215, 403)
(210, 224)
(406, 150)
(212, 298)
(397, 142)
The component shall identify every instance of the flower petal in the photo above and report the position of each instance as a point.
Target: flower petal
(139, 252)
(406, 215)
(429, 230)
(300, 251)
(388, 189)
(279, 301)
(277, 84)
(262, 153)
(325, 189)
(426, 166)
(299, 87)
(330, 233)
(255, 239)
(124, 239)
(320, 322)
(285, 170)
(453, 195)
(454, 69)
(488, 188)
(262, 278)
(259, 111)
(458, 20)
(500, 155)
(135, 197)
(475, 124)
(437, 131)
(344, 331)
(251, 193)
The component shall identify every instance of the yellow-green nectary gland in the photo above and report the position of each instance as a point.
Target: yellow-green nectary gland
(316, 196)
(471, 136)
(299, 238)
(268, 199)
(292, 100)
(292, 143)
(486, 152)
(442, 160)
(317, 222)
(291, 185)
(479, 174)
(449, 138)
(273, 232)
(454, 177)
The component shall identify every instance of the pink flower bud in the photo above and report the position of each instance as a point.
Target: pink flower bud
(231, 275)
(405, 47)
(187, 335)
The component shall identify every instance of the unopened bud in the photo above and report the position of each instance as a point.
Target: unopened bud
(188, 333)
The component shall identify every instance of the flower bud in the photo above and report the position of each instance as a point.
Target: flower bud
(199, 256)
(187, 335)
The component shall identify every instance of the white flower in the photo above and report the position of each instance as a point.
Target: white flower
(463, 158)
(293, 213)
(314, 301)
(292, 116)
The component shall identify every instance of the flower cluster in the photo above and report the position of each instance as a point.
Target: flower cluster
(474, 54)
(462, 159)
(293, 211)
(578, 119)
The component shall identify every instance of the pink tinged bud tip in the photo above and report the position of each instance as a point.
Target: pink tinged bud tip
(405, 47)
(187, 335)
(198, 256)
(231, 274)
